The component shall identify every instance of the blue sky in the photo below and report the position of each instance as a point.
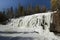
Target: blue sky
(8, 3)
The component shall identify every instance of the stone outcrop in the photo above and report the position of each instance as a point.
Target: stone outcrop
(55, 26)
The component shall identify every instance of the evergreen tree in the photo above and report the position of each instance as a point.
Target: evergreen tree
(44, 9)
(37, 9)
(16, 13)
(4, 12)
(29, 10)
(10, 12)
(21, 10)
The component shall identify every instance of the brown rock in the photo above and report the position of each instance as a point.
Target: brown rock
(56, 21)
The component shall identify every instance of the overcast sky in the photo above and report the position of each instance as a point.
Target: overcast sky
(8, 3)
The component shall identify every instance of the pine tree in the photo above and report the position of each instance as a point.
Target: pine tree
(29, 10)
(37, 9)
(21, 10)
(43, 9)
(10, 12)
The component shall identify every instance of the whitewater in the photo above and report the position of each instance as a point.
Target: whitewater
(31, 27)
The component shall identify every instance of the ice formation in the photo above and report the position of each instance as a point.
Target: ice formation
(39, 22)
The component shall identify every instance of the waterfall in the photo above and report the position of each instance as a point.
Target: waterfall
(33, 24)
(32, 20)
(39, 21)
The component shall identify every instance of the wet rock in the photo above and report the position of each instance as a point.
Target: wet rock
(55, 26)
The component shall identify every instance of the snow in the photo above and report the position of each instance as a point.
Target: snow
(30, 26)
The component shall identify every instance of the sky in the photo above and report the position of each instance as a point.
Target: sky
(4, 4)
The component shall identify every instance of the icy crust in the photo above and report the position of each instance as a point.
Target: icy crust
(32, 25)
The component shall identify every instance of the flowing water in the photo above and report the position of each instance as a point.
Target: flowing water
(32, 27)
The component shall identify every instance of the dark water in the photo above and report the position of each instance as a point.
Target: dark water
(17, 32)
(15, 38)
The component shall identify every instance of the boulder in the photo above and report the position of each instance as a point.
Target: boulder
(55, 26)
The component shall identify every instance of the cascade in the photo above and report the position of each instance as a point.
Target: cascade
(39, 21)
(37, 24)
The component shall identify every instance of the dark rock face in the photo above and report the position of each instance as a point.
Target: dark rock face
(3, 19)
(56, 21)
(55, 26)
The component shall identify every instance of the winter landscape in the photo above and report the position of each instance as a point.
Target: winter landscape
(30, 20)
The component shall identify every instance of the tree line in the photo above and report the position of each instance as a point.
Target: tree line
(10, 13)
(22, 11)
